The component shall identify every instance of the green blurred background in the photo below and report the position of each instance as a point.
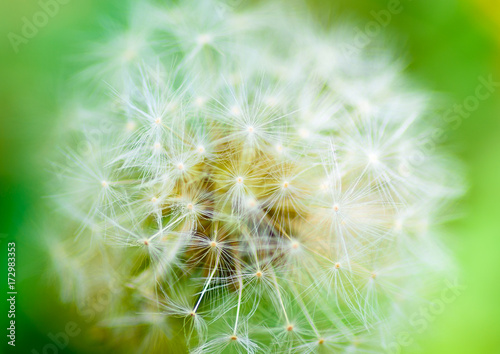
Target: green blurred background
(450, 43)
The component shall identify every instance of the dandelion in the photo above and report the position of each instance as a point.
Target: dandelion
(253, 190)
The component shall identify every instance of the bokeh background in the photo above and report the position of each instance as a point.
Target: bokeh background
(450, 45)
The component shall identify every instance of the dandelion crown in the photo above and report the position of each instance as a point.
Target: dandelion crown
(236, 181)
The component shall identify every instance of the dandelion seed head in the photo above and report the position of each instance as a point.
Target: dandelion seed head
(258, 182)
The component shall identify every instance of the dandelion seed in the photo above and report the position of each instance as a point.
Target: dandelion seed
(130, 126)
(204, 39)
(304, 133)
(235, 110)
(252, 202)
(200, 101)
(373, 158)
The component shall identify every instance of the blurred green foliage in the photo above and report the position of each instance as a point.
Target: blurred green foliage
(450, 43)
